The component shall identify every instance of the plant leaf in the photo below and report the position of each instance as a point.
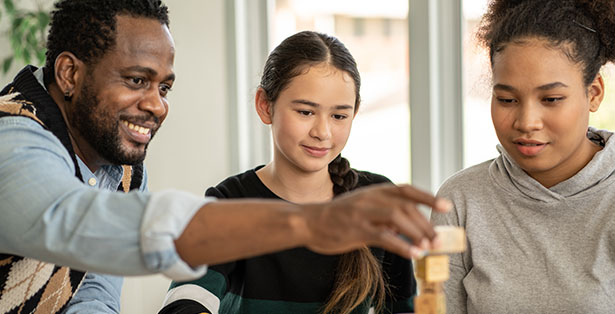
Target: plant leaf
(26, 55)
(10, 7)
(6, 64)
(26, 33)
(40, 56)
(43, 19)
(17, 22)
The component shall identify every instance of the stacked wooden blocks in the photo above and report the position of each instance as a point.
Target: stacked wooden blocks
(433, 270)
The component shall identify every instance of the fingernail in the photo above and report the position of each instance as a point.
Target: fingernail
(415, 252)
(444, 204)
(425, 244)
(436, 243)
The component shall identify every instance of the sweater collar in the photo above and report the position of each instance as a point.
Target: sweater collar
(601, 168)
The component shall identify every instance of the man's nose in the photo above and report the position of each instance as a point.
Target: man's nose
(154, 103)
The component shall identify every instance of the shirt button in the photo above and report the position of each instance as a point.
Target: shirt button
(92, 181)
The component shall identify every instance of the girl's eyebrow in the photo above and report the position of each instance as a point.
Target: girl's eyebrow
(504, 87)
(549, 86)
(316, 105)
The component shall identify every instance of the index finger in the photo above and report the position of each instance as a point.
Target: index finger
(419, 196)
(389, 241)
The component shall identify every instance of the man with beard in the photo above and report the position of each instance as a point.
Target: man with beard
(74, 135)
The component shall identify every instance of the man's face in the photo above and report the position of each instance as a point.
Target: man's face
(122, 101)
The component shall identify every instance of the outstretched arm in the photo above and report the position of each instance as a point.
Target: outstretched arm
(53, 217)
(228, 230)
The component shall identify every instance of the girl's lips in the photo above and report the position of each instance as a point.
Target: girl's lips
(316, 151)
(528, 149)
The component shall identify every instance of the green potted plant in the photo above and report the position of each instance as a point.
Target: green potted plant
(27, 33)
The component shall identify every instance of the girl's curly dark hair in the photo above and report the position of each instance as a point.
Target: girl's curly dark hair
(583, 29)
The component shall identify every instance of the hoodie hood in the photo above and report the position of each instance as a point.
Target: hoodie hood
(507, 173)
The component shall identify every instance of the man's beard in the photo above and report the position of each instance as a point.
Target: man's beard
(101, 130)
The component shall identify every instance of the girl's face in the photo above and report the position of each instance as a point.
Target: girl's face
(312, 117)
(540, 110)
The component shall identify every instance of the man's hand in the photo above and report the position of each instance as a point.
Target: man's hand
(373, 216)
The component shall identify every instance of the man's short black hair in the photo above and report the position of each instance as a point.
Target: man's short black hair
(87, 28)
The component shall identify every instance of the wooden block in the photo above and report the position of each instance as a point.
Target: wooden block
(430, 287)
(452, 239)
(430, 303)
(433, 268)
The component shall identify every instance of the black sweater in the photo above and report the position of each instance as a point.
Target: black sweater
(291, 281)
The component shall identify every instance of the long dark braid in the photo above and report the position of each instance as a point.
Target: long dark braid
(344, 178)
(357, 263)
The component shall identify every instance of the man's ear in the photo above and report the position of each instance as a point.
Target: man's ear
(596, 93)
(263, 107)
(68, 73)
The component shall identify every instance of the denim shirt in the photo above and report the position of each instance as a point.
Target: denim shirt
(50, 215)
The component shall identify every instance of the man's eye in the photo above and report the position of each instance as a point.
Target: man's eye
(339, 116)
(304, 112)
(165, 88)
(137, 81)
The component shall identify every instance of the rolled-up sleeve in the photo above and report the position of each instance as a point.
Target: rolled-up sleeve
(48, 214)
(166, 216)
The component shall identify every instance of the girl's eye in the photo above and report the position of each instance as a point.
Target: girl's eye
(339, 116)
(552, 99)
(304, 112)
(506, 100)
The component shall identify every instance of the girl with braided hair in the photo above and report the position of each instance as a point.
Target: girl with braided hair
(309, 94)
(540, 218)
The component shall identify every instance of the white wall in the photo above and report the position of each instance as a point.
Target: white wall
(191, 152)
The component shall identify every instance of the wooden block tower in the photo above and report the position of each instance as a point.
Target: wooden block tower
(433, 270)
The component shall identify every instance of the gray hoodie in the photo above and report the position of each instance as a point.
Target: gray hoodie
(533, 249)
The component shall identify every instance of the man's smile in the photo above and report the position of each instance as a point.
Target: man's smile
(137, 133)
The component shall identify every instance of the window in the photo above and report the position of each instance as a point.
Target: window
(479, 136)
(359, 26)
(387, 26)
(604, 118)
